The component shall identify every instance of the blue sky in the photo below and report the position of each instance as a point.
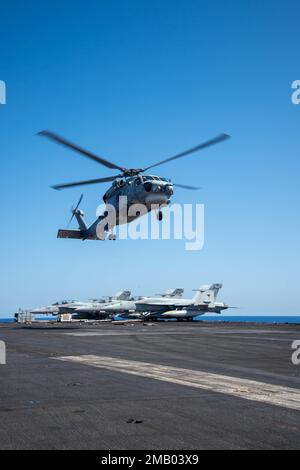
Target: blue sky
(137, 82)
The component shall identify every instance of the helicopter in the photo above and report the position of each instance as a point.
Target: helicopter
(129, 188)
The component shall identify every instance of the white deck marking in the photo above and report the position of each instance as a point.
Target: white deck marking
(238, 387)
(185, 331)
(126, 333)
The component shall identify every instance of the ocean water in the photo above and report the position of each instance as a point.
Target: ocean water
(12, 320)
(220, 318)
(247, 319)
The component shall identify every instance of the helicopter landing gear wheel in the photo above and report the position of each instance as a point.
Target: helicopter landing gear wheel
(159, 215)
(112, 236)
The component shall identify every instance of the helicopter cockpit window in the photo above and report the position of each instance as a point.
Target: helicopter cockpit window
(118, 184)
(138, 181)
(147, 178)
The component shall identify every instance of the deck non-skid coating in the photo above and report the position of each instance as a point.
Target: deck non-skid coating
(189, 330)
(178, 386)
(123, 333)
(238, 387)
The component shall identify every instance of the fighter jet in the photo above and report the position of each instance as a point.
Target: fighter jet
(56, 308)
(69, 306)
(101, 309)
(121, 305)
(203, 302)
(206, 303)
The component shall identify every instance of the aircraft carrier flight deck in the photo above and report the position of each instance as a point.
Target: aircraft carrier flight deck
(149, 386)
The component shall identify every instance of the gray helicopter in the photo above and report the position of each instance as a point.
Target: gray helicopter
(129, 188)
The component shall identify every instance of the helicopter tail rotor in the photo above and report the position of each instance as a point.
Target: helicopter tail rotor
(74, 210)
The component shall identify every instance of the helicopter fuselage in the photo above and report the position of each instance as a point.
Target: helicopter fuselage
(136, 195)
(127, 199)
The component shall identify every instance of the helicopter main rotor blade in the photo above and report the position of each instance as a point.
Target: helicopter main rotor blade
(81, 183)
(184, 186)
(60, 140)
(202, 146)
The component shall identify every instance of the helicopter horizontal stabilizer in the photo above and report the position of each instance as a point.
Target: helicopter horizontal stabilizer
(76, 234)
(69, 234)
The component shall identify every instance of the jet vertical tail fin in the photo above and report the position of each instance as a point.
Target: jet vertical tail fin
(123, 295)
(207, 294)
(173, 292)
